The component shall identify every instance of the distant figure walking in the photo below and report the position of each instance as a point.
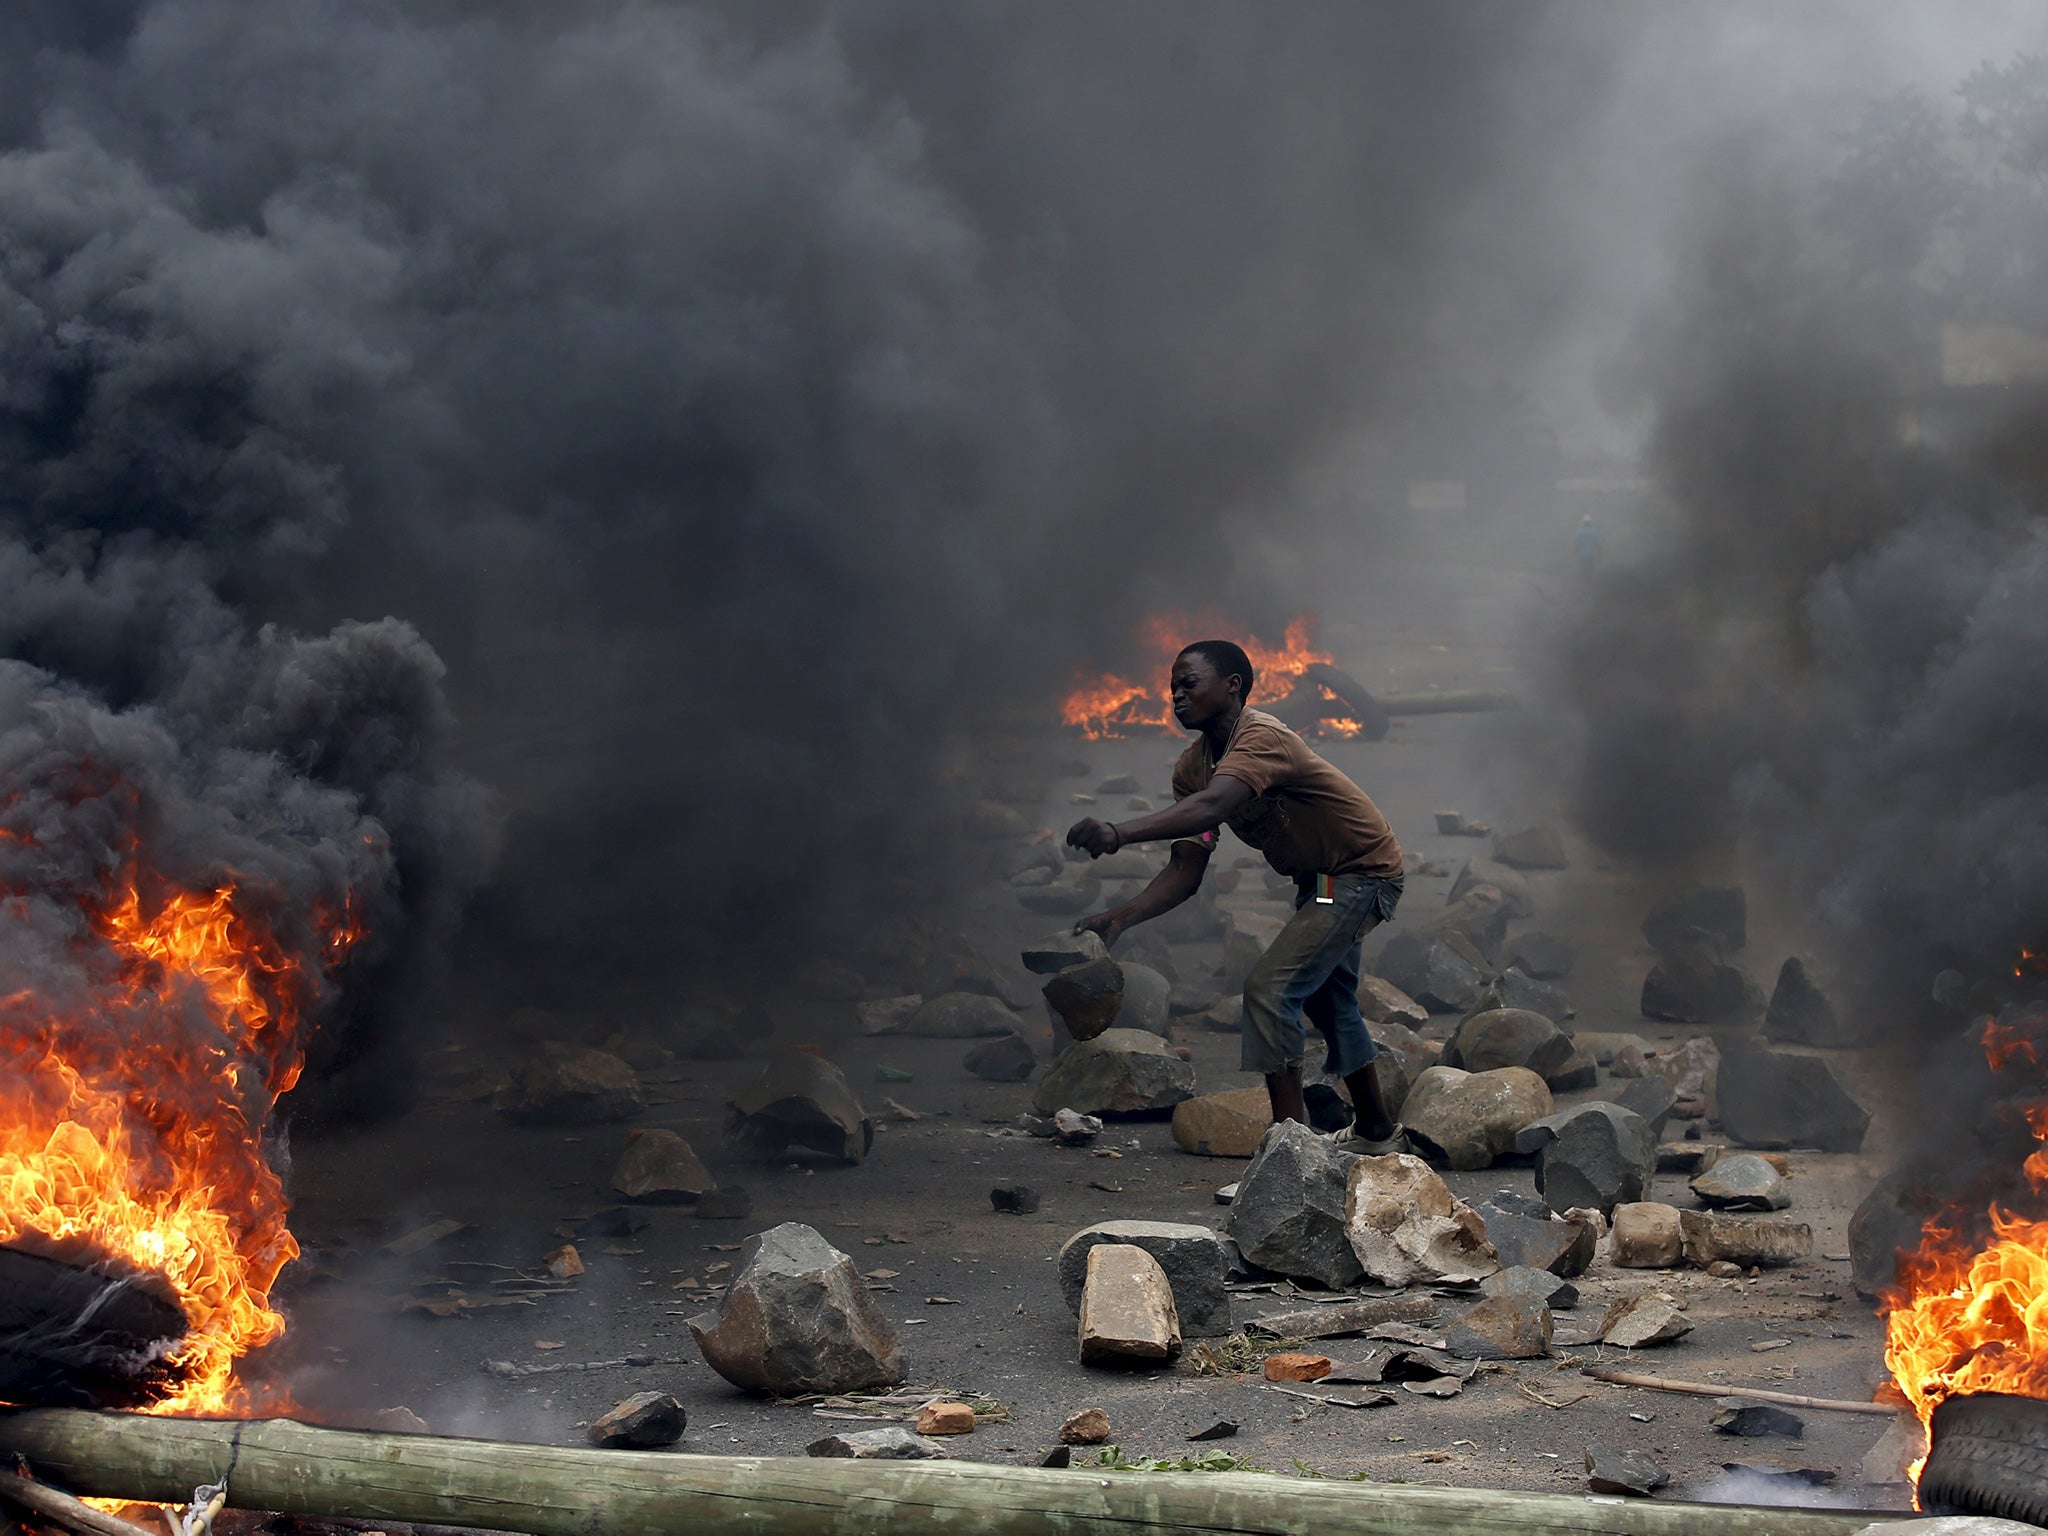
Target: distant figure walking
(1587, 545)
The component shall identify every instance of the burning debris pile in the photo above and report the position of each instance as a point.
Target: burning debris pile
(1298, 681)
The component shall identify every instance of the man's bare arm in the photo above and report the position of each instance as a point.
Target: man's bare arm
(1173, 885)
(1203, 811)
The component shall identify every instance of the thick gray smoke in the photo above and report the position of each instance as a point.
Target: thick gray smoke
(739, 400)
(1827, 670)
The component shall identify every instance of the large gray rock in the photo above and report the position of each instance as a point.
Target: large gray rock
(1480, 915)
(1526, 1234)
(1692, 984)
(1289, 1212)
(1720, 911)
(1087, 998)
(1596, 1155)
(1509, 1327)
(1120, 1071)
(1743, 1239)
(646, 1421)
(1060, 951)
(1741, 1182)
(1890, 1218)
(570, 1085)
(890, 1443)
(1432, 971)
(1516, 897)
(1531, 848)
(1417, 1054)
(1147, 1001)
(1652, 1097)
(1507, 1037)
(1777, 1099)
(1381, 1002)
(959, 1016)
(797, 1100)
(1227, 1124)
(798, 1318)
(1406, 1226)
(658, 1167)
(1005, 1059)
(1470, 1118)
(1801, 1014)
(1512, 988)
(1196, 1260)
(1540, 955)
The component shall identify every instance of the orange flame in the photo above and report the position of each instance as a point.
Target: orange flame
(143, 1133)
(1104, 704)
(1969, 1312)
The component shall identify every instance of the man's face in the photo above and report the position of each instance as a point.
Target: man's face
(1199, 695)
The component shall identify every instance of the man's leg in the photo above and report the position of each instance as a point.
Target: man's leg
(1314, 944)
(1333, 1009)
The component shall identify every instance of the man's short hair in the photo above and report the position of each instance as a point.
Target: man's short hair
(1228, 658)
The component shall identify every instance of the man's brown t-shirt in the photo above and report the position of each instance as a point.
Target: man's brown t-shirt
(1304, 816)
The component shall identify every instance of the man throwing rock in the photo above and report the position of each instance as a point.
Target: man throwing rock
(1247, 771)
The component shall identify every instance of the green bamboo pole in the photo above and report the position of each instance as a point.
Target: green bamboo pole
(296, 1469)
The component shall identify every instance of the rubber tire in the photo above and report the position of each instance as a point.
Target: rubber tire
(1989, 1457)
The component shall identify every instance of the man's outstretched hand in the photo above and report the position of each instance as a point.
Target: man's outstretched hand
(1108, 926)
(1092, 837)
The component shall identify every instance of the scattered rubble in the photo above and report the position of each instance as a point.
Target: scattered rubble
(802, 1100)
(1780, 1099)
(1517, 900)
(1509, 1327)
(570, 1085)
(1289, 1212)
(658, 1167)
(1741, 1181)
(891, 1443)
(564, 1263)
(1751, 1420)
(958, 1016)
(1195, 1260)
(1339, 1319)
(1480, 916)
(1292, 1365)
(1647, 1235)
(1580, 1071)
(1514, 989)
(1634, 1473)
(646, 1421)
(942, 1418)
(798, 1318)
(1456, 824)
(1015, 1199)
(1470, 1118)
(1005, 1059)
(1120, 1071)
(1745, 1240)
(1223, 1124)
(1127, 1311)
(1430, 969)
(1090, 1426)
(1635, 1322)
(1405, 1225)
(1596, 1155)
(1693, 1070)
(1507, 1037)
(1071, 1128)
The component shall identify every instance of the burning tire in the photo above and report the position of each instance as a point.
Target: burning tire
(81, 1332)
(1989, 1456)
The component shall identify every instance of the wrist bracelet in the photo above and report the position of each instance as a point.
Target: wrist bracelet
(1118, 836)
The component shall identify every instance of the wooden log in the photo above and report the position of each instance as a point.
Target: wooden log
(1752, 1394)
(560, 1491)
(60, 1509)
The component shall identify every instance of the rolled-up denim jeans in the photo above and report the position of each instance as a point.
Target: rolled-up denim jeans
(1311, 970)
